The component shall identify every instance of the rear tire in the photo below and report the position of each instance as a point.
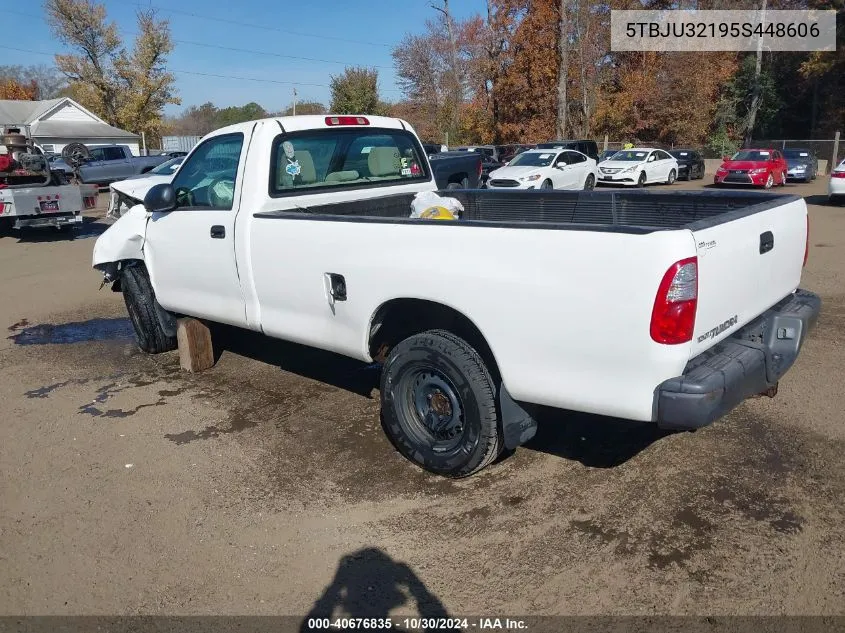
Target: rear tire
(672, 175)
(590, 183)
(438, 404)
(145, 313)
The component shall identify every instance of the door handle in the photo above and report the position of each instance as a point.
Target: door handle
(767, 242)
(218, 232)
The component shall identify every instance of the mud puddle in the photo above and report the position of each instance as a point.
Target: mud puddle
(117, 329)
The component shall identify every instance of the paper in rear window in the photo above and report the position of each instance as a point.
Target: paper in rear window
(764, 153)
(683, 153)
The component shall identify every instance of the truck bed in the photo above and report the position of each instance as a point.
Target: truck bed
(618, 211)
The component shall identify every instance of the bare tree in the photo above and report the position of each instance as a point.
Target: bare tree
(756, 91)
(454, 76)
(563, 68)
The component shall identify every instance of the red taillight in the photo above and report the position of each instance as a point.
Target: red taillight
(480, 168)
(838, 174)
(673, 316)
(807, 241)
(346, 120)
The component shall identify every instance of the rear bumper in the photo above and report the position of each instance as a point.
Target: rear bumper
(58, 219)
(748, 363)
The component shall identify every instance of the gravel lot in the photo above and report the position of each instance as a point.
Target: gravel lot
(266, 485)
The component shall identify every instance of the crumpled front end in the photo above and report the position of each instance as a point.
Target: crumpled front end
(123, 240)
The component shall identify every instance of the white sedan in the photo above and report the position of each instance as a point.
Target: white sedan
(638, 167)
(836, 187)
(546, 169)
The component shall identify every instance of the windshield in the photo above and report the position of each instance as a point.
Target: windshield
(796, 153)
(533, 159)
(168, 168)
(630, 155)
(752, 154)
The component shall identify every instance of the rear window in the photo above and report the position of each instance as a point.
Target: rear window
(328, 159)
(343, 158)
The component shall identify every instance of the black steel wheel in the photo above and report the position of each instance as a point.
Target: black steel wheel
(438, 404)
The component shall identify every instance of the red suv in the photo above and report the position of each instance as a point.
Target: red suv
(757, 167)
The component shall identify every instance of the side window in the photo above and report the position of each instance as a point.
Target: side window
(562, 159)
(96, 154)
(321, 159)
(207, 178)
(575, 157)
(113, 153)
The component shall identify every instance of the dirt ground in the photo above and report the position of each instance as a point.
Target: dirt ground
(266, 485)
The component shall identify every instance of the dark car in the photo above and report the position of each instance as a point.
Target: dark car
(606, 154)
(590, 148)
(490, 152)
(457, 170)
(690, 164)
(802, 164)
(431, 148)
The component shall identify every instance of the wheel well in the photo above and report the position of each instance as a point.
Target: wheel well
(398, 319)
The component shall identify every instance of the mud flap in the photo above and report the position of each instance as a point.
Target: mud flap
(518, 426)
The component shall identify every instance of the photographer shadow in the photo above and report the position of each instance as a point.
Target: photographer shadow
(370, 584)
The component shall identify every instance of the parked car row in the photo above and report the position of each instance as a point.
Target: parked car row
(572, 165)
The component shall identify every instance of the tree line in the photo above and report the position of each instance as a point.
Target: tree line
(533, 70)
(523, 71)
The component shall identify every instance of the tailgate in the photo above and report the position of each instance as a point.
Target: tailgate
(747, 262)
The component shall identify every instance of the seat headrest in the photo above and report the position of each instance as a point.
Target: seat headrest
(384, 161)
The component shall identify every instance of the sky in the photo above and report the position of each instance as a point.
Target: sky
(272, 35)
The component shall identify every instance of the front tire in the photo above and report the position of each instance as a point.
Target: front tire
(547, 184)
(438, 403)
(641, 180)
(770, 180)
(145, 313)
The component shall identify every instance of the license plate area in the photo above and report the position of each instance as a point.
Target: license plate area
(49, 206)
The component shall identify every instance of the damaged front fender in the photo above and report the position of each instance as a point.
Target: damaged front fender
(123, 240)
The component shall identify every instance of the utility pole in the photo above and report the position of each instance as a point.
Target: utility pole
(294, 102)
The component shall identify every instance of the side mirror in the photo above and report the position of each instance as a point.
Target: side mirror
(160, 198)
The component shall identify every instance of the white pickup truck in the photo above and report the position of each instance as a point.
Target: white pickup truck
(668, 307)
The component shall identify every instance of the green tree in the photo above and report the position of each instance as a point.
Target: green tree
(127, 89)
(356, 92)
(239, 114)
(304, 107)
